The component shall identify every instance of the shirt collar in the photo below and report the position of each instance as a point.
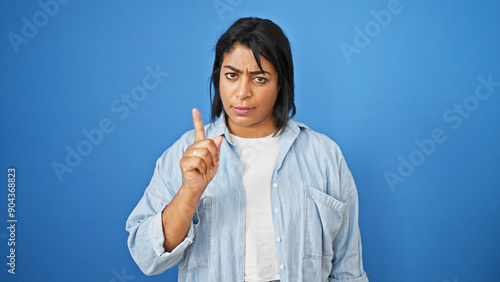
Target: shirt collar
(220, 128)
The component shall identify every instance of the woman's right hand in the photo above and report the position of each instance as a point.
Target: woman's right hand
(200, 161)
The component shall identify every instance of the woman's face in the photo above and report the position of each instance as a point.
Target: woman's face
(248, 94)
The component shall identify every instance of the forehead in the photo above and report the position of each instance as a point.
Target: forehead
(240, 56)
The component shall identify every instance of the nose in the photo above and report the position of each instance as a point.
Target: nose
(244, 90)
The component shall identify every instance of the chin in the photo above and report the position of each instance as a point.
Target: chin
(241, 120)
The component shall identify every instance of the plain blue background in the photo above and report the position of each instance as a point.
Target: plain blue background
(441, 224)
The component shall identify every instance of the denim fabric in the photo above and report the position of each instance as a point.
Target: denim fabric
(315, 213)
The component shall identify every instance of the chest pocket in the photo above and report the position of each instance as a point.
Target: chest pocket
(323, 218)
(198, 253)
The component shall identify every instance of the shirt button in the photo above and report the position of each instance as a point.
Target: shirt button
(275, 184)
(277, 210)
(282, 267)
(278, 239)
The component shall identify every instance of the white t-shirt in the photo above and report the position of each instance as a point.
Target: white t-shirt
(258, 156)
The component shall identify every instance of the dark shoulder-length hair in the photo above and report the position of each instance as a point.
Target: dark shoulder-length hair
(266, 39)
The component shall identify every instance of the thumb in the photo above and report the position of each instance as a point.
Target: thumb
(218, 141)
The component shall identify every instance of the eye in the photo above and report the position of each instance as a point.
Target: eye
(230, 75)
(260, 80)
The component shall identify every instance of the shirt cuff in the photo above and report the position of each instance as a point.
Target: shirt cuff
(157, 237)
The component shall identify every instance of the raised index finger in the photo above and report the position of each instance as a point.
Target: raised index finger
(199, 131)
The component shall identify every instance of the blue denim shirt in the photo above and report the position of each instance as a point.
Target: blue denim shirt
(317, 222)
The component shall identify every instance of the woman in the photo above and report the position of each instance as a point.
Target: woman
(254, 195)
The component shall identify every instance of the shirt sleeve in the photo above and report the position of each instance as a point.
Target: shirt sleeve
(145, 227)
(347, 261)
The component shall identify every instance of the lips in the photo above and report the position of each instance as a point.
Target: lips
(242, 110)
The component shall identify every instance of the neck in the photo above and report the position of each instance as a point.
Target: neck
(251, 131)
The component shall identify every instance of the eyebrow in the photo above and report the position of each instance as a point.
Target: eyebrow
(252, 72)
